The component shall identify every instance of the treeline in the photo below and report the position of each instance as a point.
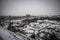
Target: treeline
(10, 17)
(57, 18)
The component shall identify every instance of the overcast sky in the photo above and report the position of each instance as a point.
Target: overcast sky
(33, 7)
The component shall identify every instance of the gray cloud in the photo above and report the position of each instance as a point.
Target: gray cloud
(33, 7)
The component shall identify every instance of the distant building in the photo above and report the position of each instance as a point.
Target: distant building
(28, 15)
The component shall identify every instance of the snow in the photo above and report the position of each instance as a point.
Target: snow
(33, 27)
(8, 35)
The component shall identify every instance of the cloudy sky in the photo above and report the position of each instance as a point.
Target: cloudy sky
(33, 7)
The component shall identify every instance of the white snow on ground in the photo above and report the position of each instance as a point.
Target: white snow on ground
(7, 35)
(33, 27)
